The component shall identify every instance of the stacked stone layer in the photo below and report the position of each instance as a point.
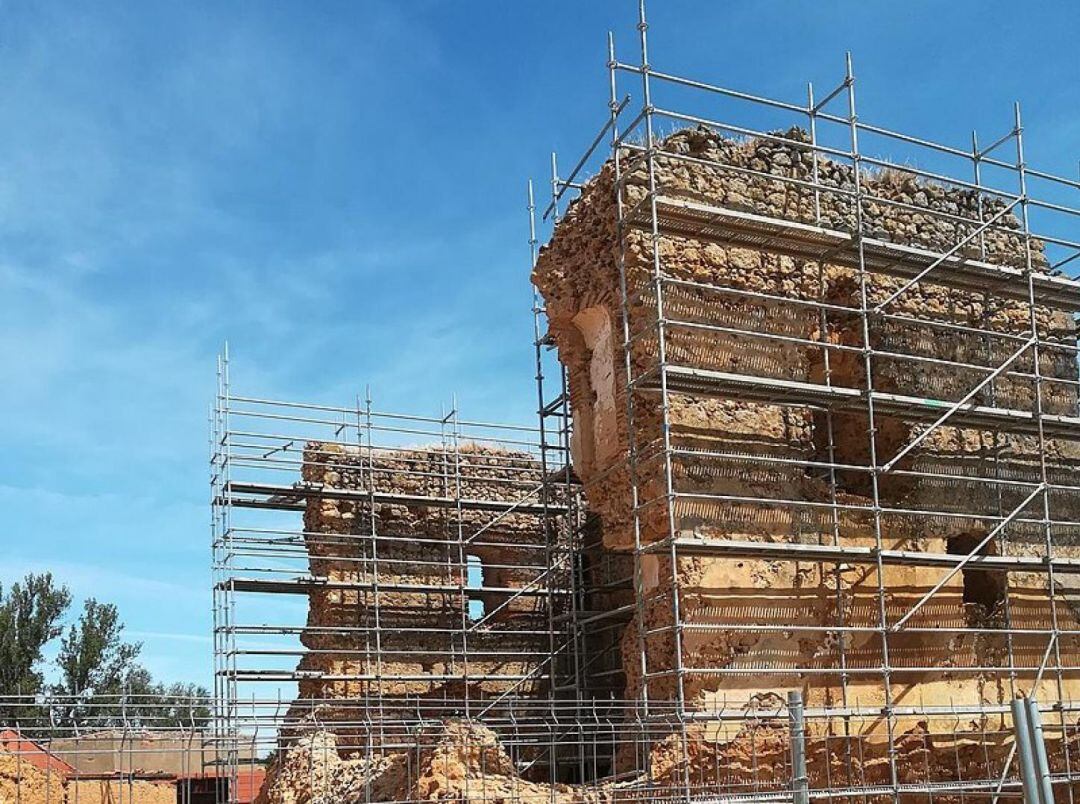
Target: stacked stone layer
(413, 639)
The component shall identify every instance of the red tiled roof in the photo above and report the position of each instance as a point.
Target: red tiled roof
(29, 751)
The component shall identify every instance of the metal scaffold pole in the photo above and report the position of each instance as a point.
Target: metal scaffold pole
(1041, 765)
(1022, 734)
(875, 468)
(799, 781)
(676, 672)
(641, 664)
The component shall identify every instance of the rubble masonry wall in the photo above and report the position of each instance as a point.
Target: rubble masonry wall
(578, 274)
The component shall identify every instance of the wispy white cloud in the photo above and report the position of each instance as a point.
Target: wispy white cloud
(98, 580)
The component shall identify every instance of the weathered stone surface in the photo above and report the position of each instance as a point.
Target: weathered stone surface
(404, 586)
(578, 274)
(109, 791)
(395, 637)
(451, 761)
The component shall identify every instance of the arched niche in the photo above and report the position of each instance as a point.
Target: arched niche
(596, 440)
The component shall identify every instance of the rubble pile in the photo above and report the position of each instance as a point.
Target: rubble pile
(22, 781)
(451, 761)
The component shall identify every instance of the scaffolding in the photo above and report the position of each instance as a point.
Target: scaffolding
(1020, 388)
(424, 570)
(429, 587)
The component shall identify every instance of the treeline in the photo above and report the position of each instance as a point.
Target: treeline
(95, 679)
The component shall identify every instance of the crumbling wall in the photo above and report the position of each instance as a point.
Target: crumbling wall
(412, 640)
(578, 274)
(23, 780)
(399, 635)
(606, 577)
(738, 616)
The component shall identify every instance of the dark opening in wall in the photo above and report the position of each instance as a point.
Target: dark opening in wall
(849, 432)
(984, 588)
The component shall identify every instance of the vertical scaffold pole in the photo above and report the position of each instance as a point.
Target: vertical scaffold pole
(365, 434)
(834, 511)
(800, 791)
(1038, 752)
(218, 590)
(642, 708)
(232, 682)
(875, 469)
(1000, 441)
(1022, 734)
(1039, 412)
(546, 494)
(678, 671)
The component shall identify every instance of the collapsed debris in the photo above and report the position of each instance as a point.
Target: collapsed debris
(451, 761)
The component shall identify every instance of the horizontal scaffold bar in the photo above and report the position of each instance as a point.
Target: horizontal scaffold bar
(384, 655)
(684, 379)
(694, 545)
(306, 585)
(307, 675)
(290, 498)
(730, 227)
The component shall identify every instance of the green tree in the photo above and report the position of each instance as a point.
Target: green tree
(98, 680)
(166, 705)
(95, 663)
(30, 615)
(102, 683)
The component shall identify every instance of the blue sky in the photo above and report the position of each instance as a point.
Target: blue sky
(338, 190)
